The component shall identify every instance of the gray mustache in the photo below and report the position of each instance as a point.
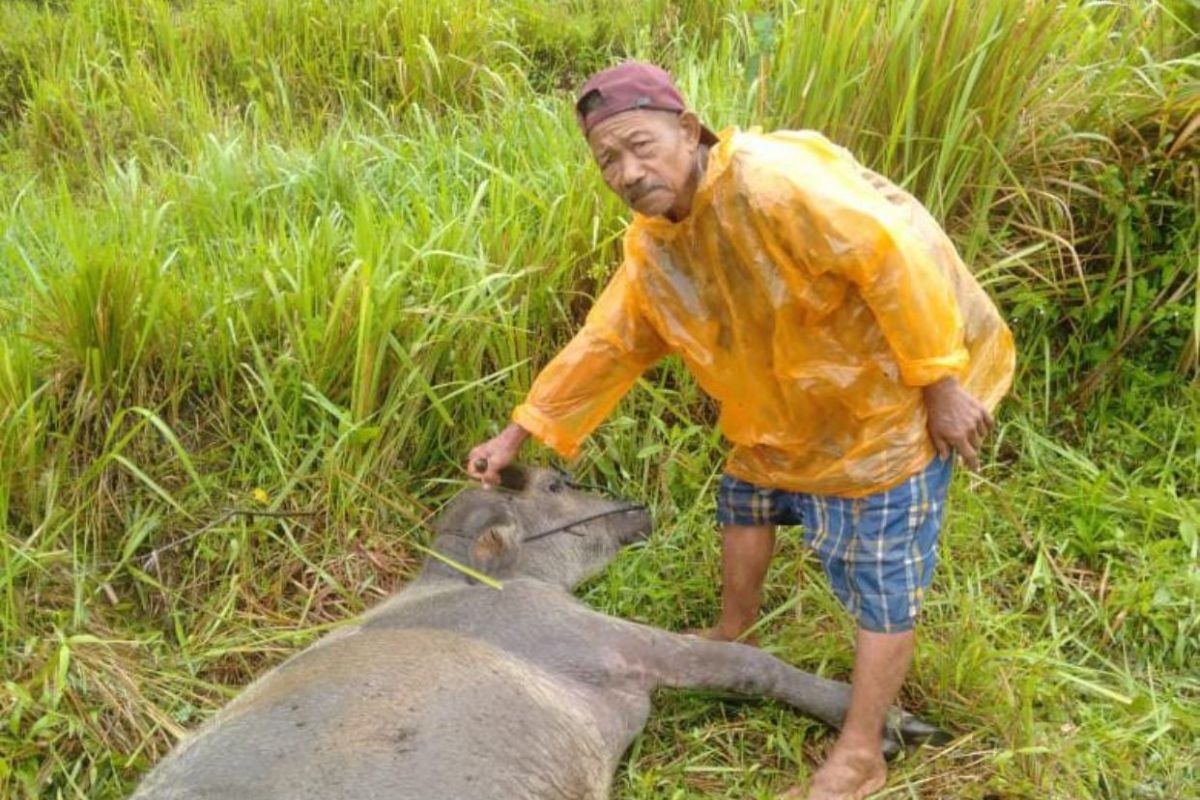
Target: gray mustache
(643, 191)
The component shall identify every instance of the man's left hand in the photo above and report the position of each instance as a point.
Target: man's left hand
(956, 420)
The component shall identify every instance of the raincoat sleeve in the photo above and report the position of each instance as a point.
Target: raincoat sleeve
(827, 217)
(583, 383)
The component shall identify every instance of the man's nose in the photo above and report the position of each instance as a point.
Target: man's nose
(632, 173)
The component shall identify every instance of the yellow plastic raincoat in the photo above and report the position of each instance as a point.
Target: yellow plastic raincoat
(810, 297)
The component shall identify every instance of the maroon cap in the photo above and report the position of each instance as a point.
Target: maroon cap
(628, 87)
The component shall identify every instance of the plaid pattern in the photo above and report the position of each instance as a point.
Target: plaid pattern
(878, 551)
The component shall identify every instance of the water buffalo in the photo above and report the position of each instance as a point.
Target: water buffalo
(452, 689)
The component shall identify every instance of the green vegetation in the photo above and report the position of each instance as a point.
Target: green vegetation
(300, 256)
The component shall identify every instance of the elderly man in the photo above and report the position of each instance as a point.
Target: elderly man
(849, 348)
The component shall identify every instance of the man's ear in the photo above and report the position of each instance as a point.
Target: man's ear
(689, 123)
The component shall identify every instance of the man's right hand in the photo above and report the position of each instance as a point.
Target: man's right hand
(485, 461)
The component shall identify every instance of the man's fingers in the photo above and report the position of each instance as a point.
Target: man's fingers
(943, 449)
(482, 468)
(968, 454)
(983, 429)
(485, 463)
(489, 475)
(975, 437)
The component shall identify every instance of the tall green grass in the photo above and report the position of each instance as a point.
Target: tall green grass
(296, 258)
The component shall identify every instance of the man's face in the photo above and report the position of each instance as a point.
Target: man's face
(649, 159)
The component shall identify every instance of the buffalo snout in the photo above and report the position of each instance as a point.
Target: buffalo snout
(633, 525)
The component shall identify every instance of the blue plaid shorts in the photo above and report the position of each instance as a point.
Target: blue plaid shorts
(878, 551)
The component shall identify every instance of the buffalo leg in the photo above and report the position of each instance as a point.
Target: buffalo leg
(692, 662)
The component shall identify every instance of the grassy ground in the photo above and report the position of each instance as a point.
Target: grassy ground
(299, 257)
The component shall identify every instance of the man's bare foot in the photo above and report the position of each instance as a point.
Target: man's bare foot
(718, 634)
(847, 774)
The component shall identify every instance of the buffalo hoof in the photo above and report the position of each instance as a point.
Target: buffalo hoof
(911, 731)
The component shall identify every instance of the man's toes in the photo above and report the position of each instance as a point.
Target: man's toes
(848, 775)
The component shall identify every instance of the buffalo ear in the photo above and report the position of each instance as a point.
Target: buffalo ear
(496, 546)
